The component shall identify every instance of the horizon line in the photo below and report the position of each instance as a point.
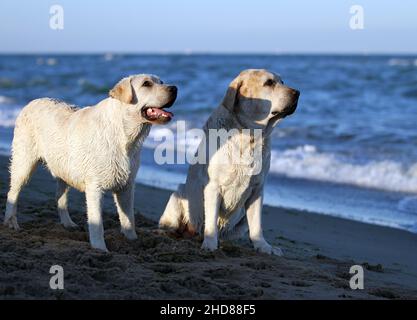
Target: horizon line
(206, 52)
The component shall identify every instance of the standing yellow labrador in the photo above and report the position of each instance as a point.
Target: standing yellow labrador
(218, 193)
(94, 149)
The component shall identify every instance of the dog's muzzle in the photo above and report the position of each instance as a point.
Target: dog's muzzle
(293, 106)
(158, 114)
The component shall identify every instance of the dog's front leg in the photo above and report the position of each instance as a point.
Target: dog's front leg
(254, 216)
(124, 204)
(95, 220)
(211, 214)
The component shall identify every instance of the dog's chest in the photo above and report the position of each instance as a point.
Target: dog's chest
(238, 188)
(237, 181)
(121, 170)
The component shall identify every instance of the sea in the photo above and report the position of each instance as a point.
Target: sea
(350, 149)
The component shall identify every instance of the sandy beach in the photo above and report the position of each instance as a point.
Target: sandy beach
(319, 250)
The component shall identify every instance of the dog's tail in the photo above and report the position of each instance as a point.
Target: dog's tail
(172, 216)
(175, 216)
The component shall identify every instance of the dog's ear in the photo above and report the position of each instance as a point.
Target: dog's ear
(122, 91)
(230, 99)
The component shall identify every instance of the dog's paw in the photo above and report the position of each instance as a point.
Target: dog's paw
(130, 234)
(11, 222)
(101, 248)
(69, 224)
(209, 245)
(265, 247)
(277, 251)
(98, 244)
(65, 219)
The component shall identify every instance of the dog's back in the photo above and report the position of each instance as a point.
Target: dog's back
(43, 120)
(41, 134)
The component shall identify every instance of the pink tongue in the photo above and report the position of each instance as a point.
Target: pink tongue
(156, 113)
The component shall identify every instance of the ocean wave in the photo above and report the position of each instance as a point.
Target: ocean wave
(5, 148)
(410, 93)
(92, 88)
(27, 84)
(408, 204)
(46, 61)
(108, 56)
(307, 163)
(402, 62)
(8, 115)
(5, 100)
(6, 83)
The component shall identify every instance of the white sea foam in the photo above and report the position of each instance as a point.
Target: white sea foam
(108, 57)
(5, 100)
(8, 115)
(307, 163)
(47, 61)
(402, 62)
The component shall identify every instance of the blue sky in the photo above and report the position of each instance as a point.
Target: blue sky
(293, 26)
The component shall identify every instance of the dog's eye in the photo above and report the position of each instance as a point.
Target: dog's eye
(147, 84)
(270, 83)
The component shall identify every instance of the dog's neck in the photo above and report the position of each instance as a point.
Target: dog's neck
(135, 134)
(233, 121)
(223, 118)
(134, 127)
(229, 120)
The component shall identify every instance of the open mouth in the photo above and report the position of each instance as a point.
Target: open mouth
(286, 112)
(157, 114)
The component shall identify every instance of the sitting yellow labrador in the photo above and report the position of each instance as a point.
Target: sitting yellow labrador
(93, 149)
(220, 192)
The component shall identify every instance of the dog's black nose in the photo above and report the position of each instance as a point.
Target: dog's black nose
(172, 89)
(296, 93)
